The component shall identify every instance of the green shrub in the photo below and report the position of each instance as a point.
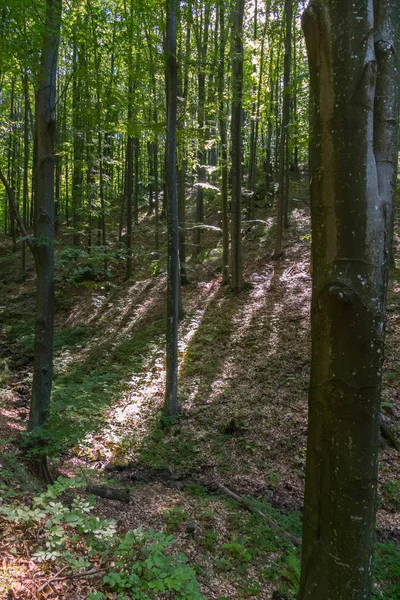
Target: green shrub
(391, 493)
(139, 563)
(74, 265)
(387, 571)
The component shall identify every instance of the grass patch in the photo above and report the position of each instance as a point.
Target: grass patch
(92, 384)
(22, 332)
(173, 449)
(387, 571)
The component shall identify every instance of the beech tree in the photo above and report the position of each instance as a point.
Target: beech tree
(283, 197)
(353, 57)
(44, 224)
(236, 133)
(171, 80)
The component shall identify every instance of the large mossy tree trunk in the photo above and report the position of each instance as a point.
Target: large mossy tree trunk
(352, 52)
(171, 405)
(44, 223)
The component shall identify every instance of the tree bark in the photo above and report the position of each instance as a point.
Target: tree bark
(182, 150)
(283, 195)
(354, 69)
(236, 135)
(26, 164)
(44, 226)
(202, 42)
(129, 151)
(222, 121)
(78, 147)
(171, 405)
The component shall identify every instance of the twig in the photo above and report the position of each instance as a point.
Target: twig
(52, 579)
(198, 261)
(14, 208)
(246, 504)
(71, 576)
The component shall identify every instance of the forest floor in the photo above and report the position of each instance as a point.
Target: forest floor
(244, 375)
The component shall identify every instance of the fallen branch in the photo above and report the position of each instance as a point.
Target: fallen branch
(248, 506)
(71, 576)
(14, 208)
(55, 577)
(109, 493)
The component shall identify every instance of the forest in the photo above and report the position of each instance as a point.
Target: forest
(199, 300)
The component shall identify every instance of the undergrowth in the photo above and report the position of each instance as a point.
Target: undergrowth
(92, 383)
(137, 564)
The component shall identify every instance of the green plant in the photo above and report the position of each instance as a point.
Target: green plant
(237, 551)
(391, 492)
(210, 540)
(142, 566)
(387, 571)
(138, 562)
(174, 517)
(14, 476)
(75, 265)
(273, 479)
(291, 570)
(248, 446)
(196, 491)
(249, 589)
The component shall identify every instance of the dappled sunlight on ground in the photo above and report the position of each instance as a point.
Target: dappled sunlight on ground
(244, 364)
(127, 420)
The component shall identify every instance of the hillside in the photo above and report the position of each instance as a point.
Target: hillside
(244, 373)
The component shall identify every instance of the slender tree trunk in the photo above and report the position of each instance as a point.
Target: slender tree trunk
(44, 225)
(283, 195)
(150, 162)
(89, 184)
(171, 406)
(136, 147)
(77, 173)
(253, 142)
(26, 165)
(156, 189)
(34, 176)
(222, 120)
(202, 43)
(294, 102)
(128, 202)
(236, 135)
(387, 105)
(182, 162)
(66, 159)
(353, 57)
(11, 160)
(129, 170)
(268, 157)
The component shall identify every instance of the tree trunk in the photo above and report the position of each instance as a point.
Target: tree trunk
(202, 43)
(182, 150)
(26, 165)
(171, 406)
(11, 161)
(44, 226)
(222, 120)
(283, 195)
(136, 146)
(236, 135)
(352, 54)
(77, 173)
